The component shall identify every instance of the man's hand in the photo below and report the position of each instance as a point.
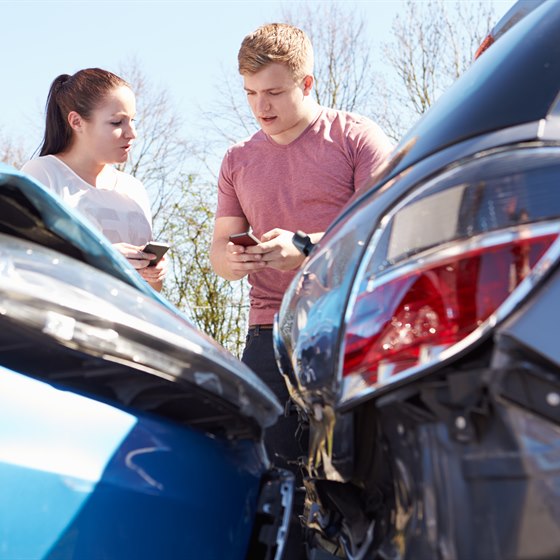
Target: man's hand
(231, 261)
(241, 260)
(277, 250)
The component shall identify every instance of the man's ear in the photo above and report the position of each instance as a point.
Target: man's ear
(75, 121)
(307, 84)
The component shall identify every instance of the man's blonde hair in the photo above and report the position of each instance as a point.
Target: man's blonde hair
(276, 42)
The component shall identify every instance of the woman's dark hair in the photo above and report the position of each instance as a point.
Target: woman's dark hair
(83, 92)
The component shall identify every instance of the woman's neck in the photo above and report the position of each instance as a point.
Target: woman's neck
(94, 173)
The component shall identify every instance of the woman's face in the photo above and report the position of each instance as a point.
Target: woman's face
(109, 132)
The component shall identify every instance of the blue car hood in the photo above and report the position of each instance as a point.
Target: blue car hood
(61, 280)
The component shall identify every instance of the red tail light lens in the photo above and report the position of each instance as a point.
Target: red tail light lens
(400, 322)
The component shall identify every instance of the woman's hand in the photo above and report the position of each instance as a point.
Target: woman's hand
(134, 254)
(154, 275)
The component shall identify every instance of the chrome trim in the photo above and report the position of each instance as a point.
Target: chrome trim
(452, 249)
(551, 126)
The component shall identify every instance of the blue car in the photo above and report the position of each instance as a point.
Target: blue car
(124, 431)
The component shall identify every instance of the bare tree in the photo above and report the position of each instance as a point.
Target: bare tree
(344, 73)
(226, 119)
(218, 307)
(433, 44)
(231, 118)
(160, 153)
(12, 151)
(183, 198)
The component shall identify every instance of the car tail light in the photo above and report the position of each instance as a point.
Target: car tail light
(435, 306)
(444, 262)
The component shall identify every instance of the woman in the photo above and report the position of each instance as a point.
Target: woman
(90, 128)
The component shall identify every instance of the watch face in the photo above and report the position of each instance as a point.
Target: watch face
(302, 242)
(307, 246)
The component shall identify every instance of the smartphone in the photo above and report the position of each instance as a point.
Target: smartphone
(246, 239)
(156, 248)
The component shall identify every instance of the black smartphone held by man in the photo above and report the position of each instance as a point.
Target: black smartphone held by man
(156, 248)
(246, 239)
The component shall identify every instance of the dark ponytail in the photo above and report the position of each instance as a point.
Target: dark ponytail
(82, 92)
(57, 130)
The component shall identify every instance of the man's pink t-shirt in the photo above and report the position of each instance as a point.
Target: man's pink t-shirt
(302, 185)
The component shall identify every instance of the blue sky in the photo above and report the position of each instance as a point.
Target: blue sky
(181, 45)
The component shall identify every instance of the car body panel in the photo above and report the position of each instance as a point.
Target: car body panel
(95, 481)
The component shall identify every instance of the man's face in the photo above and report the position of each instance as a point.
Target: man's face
(280, 104)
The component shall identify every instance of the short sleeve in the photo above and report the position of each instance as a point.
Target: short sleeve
(35, 168)
(228, 201)
(372, 147)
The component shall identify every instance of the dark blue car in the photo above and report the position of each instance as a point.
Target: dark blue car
(124, 431)
(421, 337)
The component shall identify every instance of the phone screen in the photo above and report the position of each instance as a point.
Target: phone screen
(246, 239)
(156, 248)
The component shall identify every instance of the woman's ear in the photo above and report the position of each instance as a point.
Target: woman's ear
(75, 121)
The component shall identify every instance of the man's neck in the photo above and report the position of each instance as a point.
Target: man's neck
(288, 136)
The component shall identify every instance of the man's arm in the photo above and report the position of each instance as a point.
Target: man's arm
(230, 261)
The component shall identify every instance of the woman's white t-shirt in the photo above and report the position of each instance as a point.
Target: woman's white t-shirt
(121, 212)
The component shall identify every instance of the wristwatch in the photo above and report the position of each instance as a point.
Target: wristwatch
(303, 243)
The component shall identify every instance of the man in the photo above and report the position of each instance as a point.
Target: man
(296, 172)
